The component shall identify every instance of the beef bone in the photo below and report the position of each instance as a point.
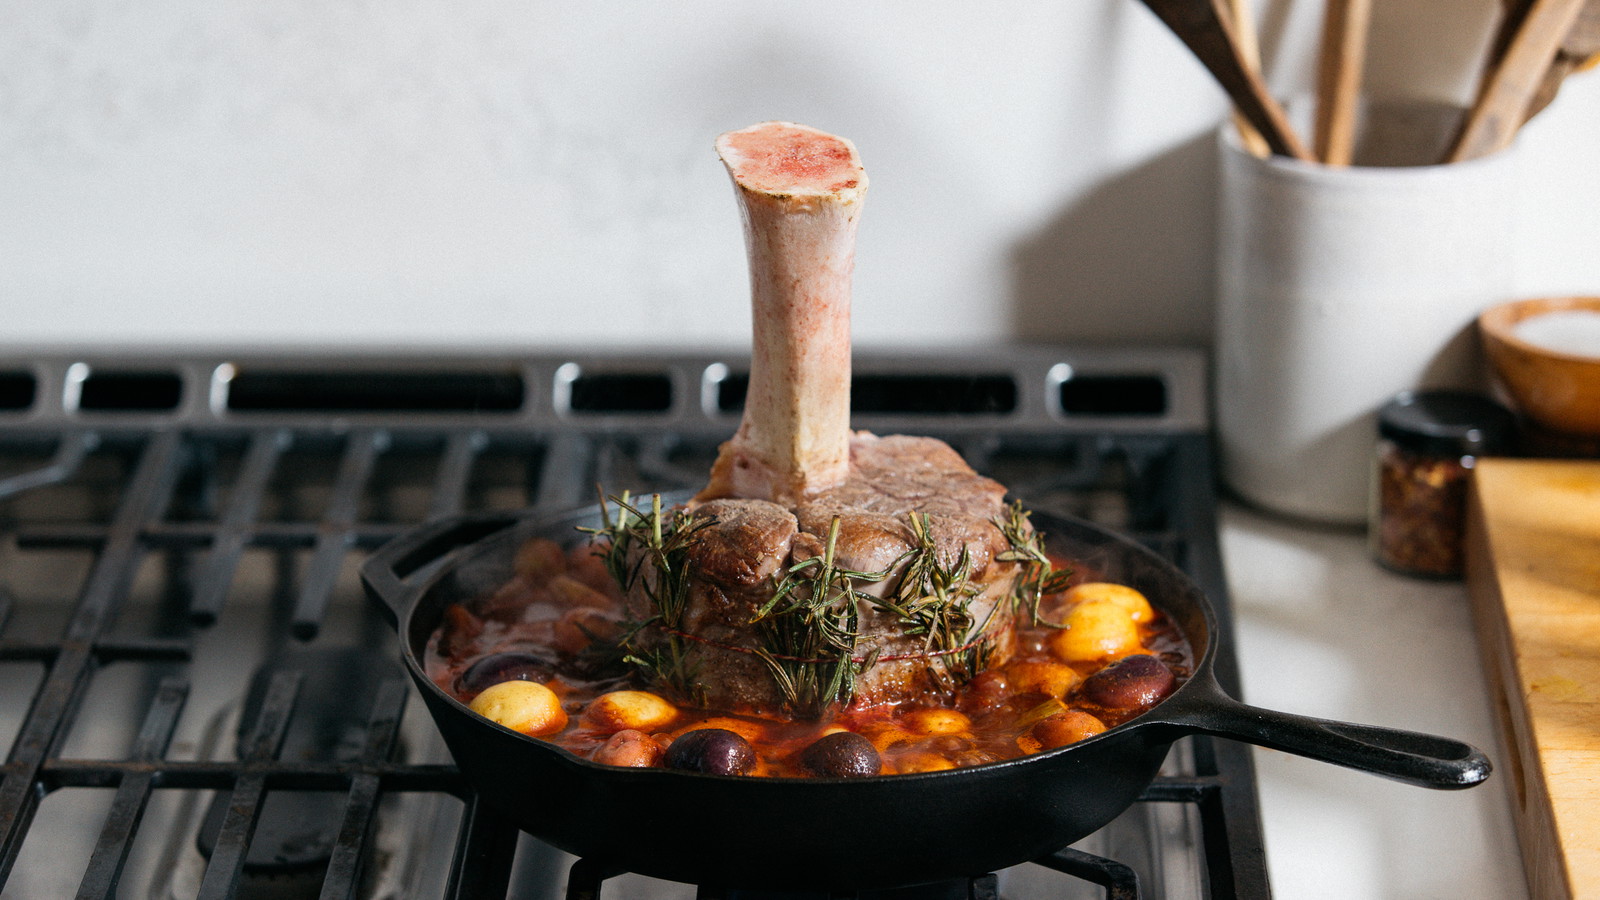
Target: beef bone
(800, 192)
(794, 487)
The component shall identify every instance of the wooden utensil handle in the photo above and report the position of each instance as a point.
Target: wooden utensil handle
(1580, 49)
(1339, 69)
(1503, 103)
(1203, 27)
(1242, 20)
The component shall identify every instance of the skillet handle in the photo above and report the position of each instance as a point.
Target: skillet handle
(390, 574)
(1412, 757)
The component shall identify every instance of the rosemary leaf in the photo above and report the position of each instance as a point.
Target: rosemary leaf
(1039, 576)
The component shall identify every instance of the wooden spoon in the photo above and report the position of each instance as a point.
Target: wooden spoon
(1244, 30)
(1508, 93)
(1203, 26)
(1339, 68)
(1580, 50)
(1513, 14)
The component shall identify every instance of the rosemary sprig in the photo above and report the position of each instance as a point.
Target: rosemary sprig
(649, 551)
(810, 629)
(934, 600)
(1039, 576)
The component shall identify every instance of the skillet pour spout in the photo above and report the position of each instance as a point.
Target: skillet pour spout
(875, 832)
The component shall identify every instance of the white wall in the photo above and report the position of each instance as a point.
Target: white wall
(424, 172)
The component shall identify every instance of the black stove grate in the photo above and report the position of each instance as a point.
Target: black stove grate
(178, 600)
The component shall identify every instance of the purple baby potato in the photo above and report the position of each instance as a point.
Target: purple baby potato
(713, 751)
(513, 665)
(1129, 683)
(843, 754)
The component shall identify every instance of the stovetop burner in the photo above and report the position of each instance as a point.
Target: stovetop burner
(198, 702)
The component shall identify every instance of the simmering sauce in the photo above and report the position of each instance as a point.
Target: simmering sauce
(541, 655)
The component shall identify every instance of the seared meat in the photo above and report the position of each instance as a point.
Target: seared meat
(744, 548)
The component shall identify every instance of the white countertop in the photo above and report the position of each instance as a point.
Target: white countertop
(1322, 630)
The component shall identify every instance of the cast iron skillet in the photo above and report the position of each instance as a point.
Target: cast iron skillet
(844, 834)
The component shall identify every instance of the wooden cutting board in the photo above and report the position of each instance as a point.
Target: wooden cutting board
(1533, 570)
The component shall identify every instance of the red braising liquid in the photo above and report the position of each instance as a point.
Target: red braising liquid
(553, 622)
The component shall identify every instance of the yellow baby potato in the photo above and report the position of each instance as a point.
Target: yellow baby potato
(923, 762)
(1040, 677)
(525, 706)
(936, 721)
(636, 710)
(1093, 630)
(1066, 728)
(1126, 597)
(887, 735)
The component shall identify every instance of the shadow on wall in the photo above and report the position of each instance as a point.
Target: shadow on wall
(1131, 261)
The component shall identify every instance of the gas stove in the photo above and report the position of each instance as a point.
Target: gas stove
(199, 702)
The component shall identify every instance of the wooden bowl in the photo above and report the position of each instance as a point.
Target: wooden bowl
(1558, 389)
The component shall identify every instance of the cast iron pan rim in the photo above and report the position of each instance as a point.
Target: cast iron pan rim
(1200, 680)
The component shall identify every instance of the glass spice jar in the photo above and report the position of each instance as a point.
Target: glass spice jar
(1428, 444)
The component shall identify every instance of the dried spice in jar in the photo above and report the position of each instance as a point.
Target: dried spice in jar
(1428, 444)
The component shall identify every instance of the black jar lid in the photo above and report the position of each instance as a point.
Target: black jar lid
(1454, 423)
